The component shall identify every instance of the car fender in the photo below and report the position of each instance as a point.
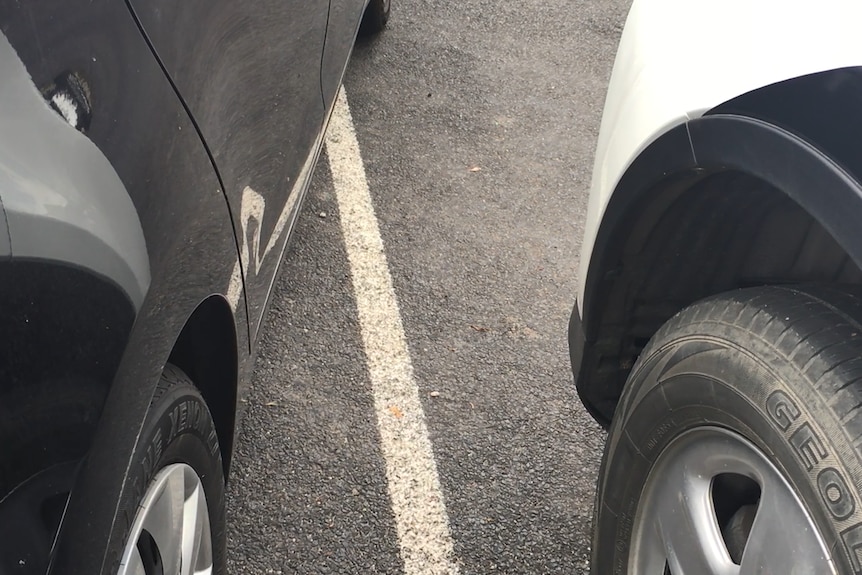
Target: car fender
(154, 221)
(678, 59)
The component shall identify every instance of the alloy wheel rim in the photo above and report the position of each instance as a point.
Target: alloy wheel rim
(676, 528)
(171, 532)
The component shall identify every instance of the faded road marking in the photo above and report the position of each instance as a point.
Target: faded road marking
(411, 472)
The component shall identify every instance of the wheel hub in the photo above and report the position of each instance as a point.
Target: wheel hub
(171, 532)
(683, 526)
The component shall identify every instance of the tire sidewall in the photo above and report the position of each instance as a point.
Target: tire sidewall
(685, 380)
(178, 429)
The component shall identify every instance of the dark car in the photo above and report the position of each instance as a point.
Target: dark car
(153, 156)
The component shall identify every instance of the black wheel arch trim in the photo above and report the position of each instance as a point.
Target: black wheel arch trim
(788, 162)
(707, 145)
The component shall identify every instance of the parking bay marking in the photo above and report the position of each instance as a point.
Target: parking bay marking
(414, 486)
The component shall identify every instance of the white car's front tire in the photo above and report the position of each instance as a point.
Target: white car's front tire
(735, 447)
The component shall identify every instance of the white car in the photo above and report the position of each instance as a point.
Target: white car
(718, 327)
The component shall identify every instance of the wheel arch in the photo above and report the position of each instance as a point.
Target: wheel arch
(206, 350)
(725, 201)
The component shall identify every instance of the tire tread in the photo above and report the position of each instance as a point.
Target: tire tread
(821, 326)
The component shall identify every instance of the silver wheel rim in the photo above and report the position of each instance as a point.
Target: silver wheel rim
(172, 525)
(676, 524)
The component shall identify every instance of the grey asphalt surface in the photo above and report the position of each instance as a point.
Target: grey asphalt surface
(484, 263)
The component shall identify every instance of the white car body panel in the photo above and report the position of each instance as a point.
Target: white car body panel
(679, 58)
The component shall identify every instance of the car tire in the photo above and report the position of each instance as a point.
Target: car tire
(737, 441)
(177, 512)
(375, 18)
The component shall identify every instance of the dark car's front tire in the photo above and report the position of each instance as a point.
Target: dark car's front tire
(736, 444)
(175, 521)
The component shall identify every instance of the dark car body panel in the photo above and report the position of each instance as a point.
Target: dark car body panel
(249, 73)
(141, 127)
(344, 20)
(211, 116)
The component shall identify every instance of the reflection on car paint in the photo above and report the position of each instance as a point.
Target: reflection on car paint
(252, 208)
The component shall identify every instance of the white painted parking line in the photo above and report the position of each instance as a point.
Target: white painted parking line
(411, 472)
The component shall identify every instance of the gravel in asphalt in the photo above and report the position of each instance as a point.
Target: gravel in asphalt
(477, 122)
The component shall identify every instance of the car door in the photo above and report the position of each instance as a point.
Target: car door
(344, 18)
(249, 73)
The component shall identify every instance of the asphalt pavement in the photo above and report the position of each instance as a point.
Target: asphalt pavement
(476, 121)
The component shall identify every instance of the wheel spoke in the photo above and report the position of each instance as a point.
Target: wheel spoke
(649, 554)
(135, 565)
(692, 540)
(163, 520)
(197, 552)
(782, 538)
